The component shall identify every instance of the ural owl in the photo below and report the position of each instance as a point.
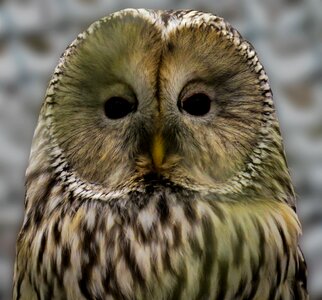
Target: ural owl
(157, 170)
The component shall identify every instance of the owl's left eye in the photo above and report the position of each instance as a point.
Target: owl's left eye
(117, 107)
(197, 104)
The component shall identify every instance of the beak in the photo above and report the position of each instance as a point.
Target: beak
(157, 150)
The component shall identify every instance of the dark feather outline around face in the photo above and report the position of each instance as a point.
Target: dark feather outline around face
(267, 150)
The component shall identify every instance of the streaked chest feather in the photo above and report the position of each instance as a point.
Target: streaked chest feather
(164, 248)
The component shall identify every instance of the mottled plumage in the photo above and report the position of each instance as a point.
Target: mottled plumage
(157, 170)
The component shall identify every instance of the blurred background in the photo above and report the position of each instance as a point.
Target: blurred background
(287, 35)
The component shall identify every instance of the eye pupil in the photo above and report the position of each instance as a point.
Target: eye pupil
(197, 104)
(117, 107)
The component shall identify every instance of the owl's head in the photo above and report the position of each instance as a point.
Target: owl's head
(173, 95)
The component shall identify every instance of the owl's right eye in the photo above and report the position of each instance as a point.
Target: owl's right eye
(118, 107)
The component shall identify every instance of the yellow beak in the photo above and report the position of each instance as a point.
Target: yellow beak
(157, 150)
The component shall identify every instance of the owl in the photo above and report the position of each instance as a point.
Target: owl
(157, 170)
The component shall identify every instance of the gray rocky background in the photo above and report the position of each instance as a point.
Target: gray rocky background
(287, 35)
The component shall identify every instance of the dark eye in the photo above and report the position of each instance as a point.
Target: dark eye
(197, 104)
(117, 107)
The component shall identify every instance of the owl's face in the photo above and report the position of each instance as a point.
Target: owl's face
(158, 93)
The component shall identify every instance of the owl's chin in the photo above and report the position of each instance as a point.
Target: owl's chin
(172, 172)
(154, 178)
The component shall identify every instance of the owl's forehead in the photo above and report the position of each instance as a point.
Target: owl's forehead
(133, 37)
(140, 46)
(167, 21)
(132, 34)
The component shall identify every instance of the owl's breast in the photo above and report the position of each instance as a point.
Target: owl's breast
(163, 244)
